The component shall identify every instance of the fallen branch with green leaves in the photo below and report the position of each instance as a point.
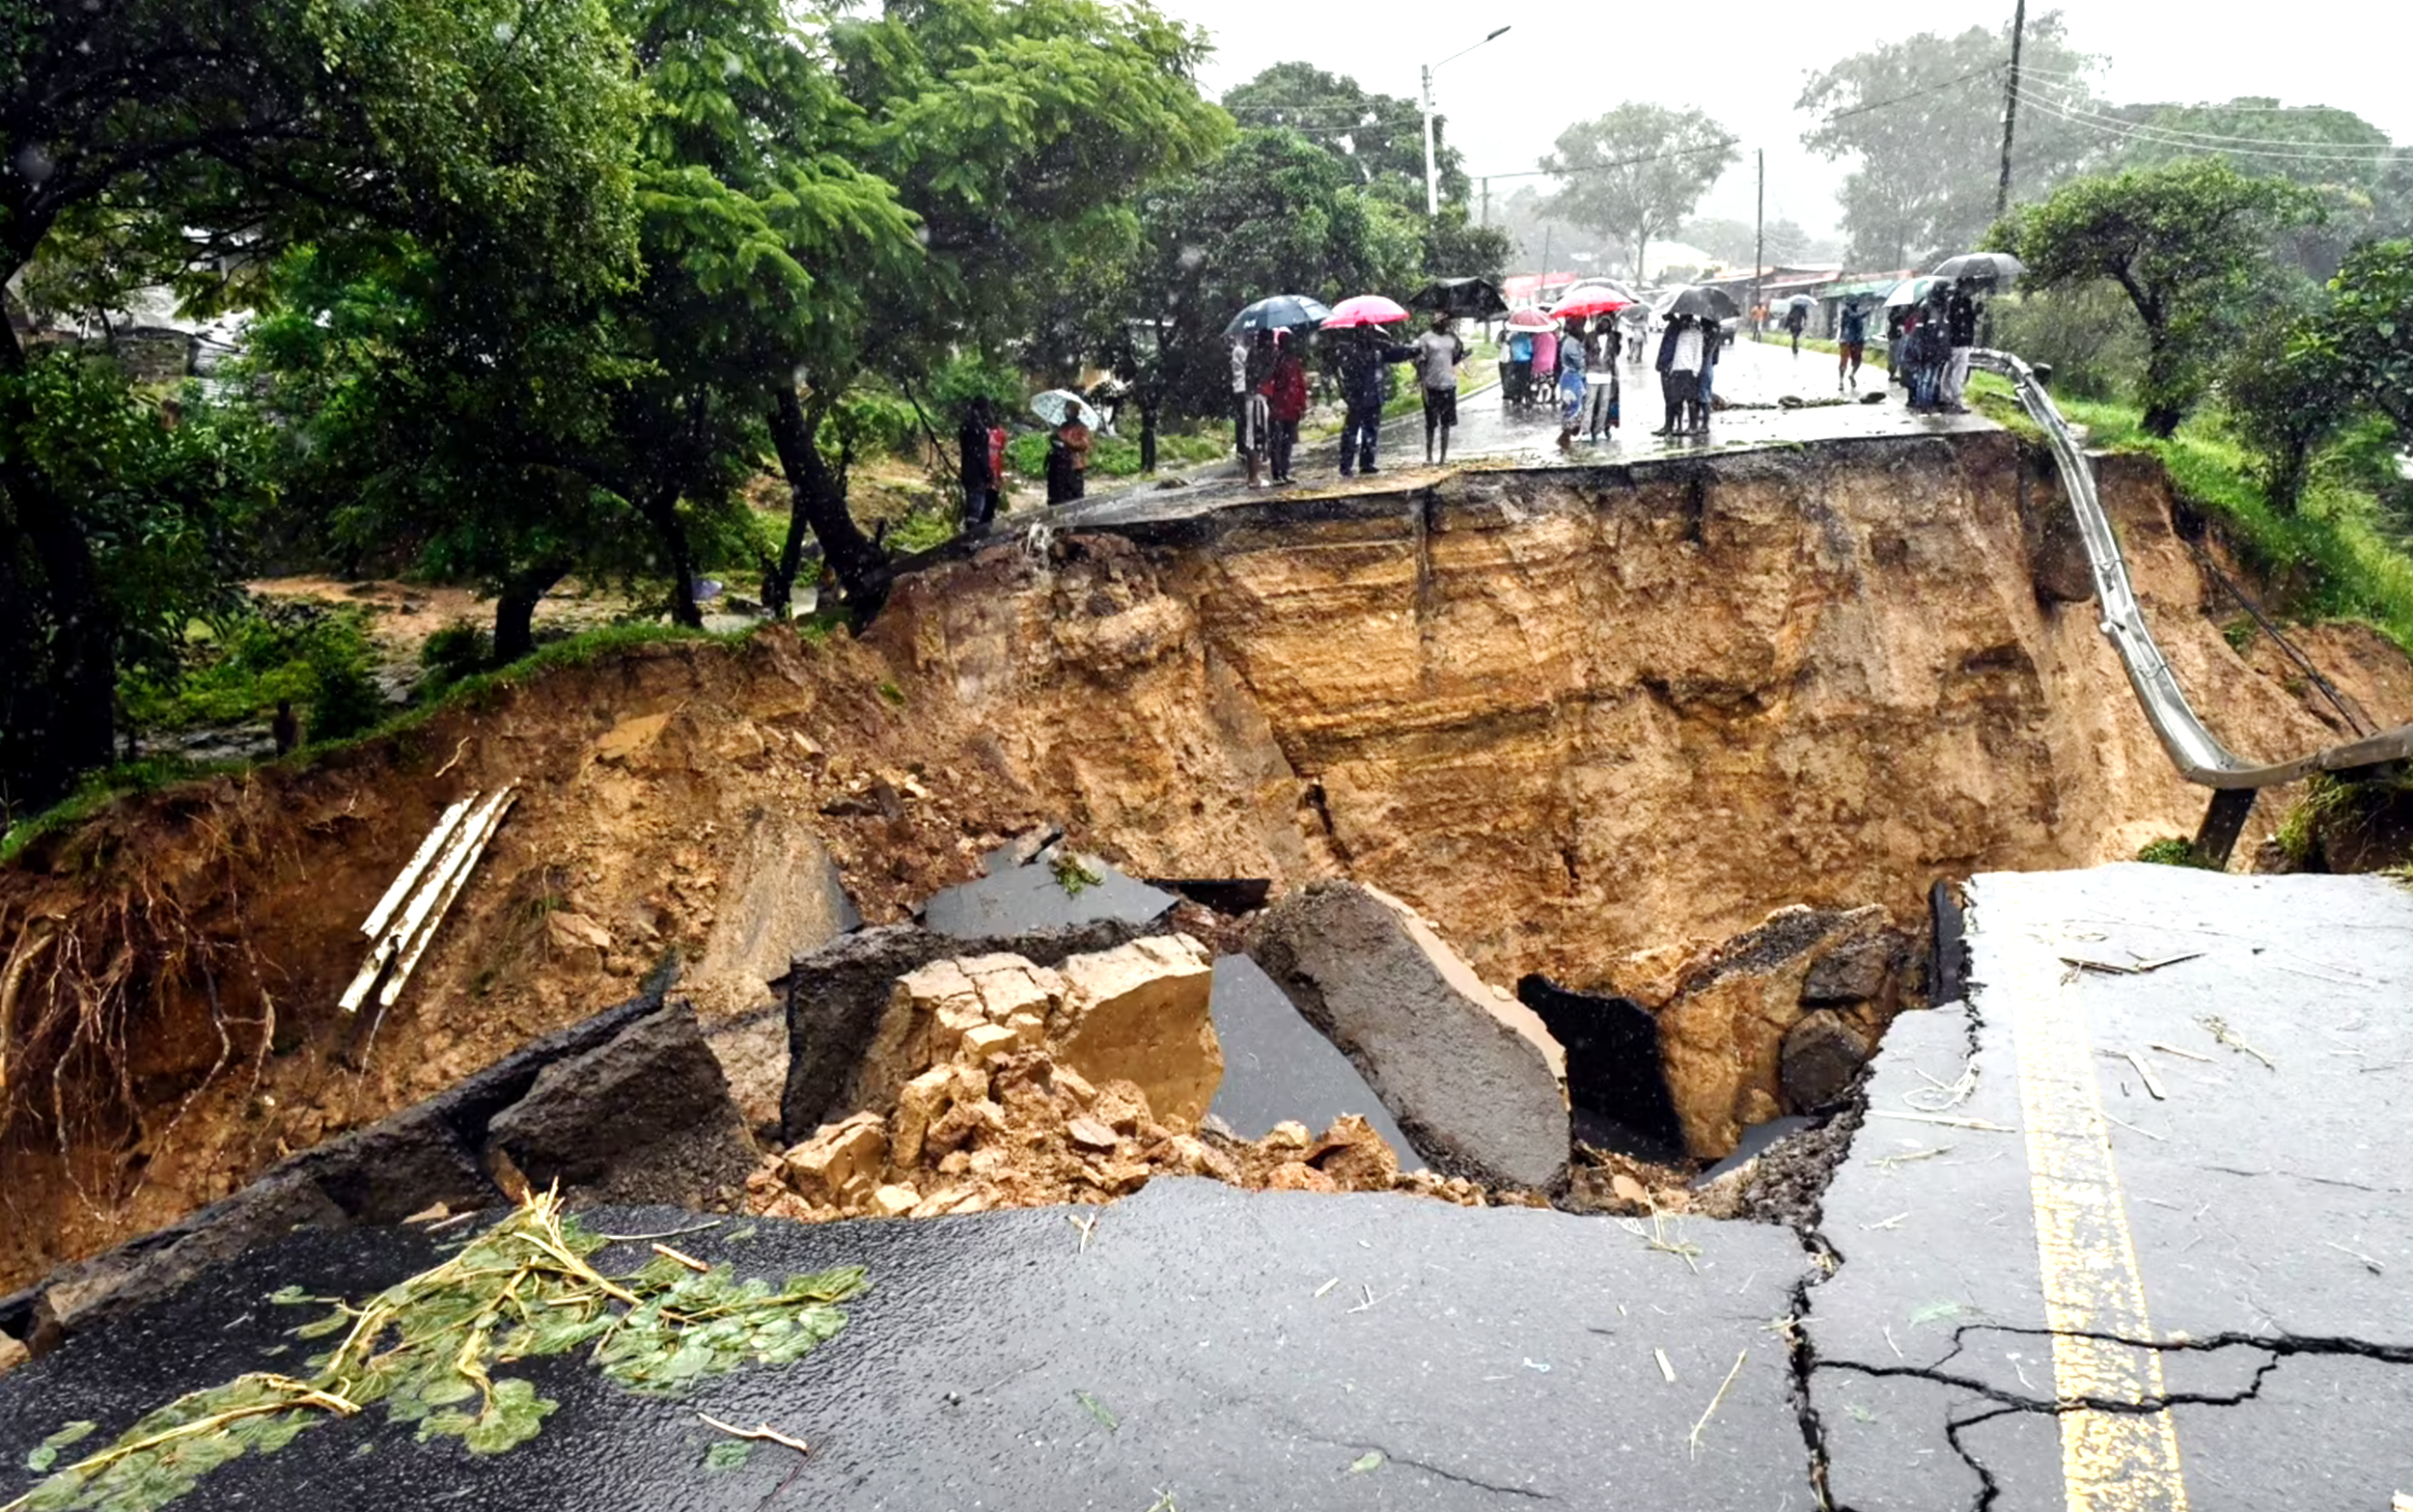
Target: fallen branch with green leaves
(427, 1348)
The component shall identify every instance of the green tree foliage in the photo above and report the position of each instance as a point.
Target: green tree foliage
(1275, 214)
(1638, 171)
(1380, 137)
(1921, 122)
(157, 140)
(1736, 243)
(2363, 342)
(2189, 243)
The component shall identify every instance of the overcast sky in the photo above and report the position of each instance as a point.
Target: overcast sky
(1508, 101)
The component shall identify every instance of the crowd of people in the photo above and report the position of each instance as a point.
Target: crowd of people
(1571, 366)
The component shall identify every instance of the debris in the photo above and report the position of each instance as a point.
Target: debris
(1084, 1223)
(2173, 1050)
(1371, 1459)
(1979, 1124)
(1655, 1237)
(762, 1432)
(1540, 1367)
(2368, 1264)
(1627, 1189)
(2220, 1031)
(1894, 1221)
(2133, 1129)
(1888, 1330)
(1692, 1439)
(1327, 1287)
(1929, 1152)
(1666, 1370)
(1943, 1096)
(2131, 969)
(688, 1260)
(2153, 1084)
(1097, 1409)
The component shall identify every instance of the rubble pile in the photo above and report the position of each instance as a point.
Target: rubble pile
(997, 1082)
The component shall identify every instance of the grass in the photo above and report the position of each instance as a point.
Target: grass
(2329, 560)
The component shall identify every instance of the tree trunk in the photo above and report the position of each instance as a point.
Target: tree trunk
(515, 609)
(1148, 435)
(1642, 245)
(817, 500)
(69, 720)
(659, 505)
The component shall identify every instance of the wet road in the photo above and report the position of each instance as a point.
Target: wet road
(1756, 380)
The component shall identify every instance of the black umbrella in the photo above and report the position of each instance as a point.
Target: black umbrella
(1281, 313)
(1701, 303)
(1470, 298)
(1992, 269)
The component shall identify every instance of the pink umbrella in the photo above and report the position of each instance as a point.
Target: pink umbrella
(1530, 319)
(1584, 302)
(1364, 309)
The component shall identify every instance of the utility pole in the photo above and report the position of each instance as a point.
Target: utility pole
(1760, 241)
(2010, 119)
(1487, 204)
(1432, 174)
(2010, 109)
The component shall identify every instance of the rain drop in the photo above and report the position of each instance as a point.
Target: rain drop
(1191, 256)
(33, 164)
(505, 33)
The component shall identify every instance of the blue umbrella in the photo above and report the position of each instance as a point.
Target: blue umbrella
(1281, 313)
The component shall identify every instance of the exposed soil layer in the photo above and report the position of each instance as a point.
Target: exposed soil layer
(1590, 721)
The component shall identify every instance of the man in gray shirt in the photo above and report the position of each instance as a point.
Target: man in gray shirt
(1438, 352)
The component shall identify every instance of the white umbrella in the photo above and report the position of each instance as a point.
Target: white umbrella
(1056, 403)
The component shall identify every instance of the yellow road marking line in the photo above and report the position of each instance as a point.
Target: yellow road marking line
(2111, 1461)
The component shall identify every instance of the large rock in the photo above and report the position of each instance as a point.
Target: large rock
(1722, 1033)
(1278, 1068)
(837, 996)
(1821, 1058)
(1470, 1073)
(645, 1118)
(1614, 1084)
(1140, 1013)
(1053, 889)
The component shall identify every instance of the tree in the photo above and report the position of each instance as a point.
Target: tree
(2186, 242)
(166, 140)
(1923, 120)
(1380, 138)
(1638, 171)
(2363, 342)
(1275, 214)
(1736, 243)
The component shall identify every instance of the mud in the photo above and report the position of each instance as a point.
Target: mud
(1594, 723)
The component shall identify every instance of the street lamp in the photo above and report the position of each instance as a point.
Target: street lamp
(1432, 176)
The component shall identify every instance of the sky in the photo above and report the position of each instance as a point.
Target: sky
(1509, 100)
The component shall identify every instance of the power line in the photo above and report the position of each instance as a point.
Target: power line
(2270, 151)
(1933, 89)
(2208, 138)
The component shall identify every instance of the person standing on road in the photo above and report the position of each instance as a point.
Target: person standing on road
(1960, 324)
(979, 478)
(1518, 381)
(1248, 436)
(1680, 371)
(1572, 387)
(1851, 337)
(1796, 318)
(1364, 356)
(1600, 381)
(1067, 459)
(1438, 352)
(1545, 371)
(1713, 339)
(1285, 404)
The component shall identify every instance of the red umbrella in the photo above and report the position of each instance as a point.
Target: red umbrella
(1583, 302)
(1364, 309)
(1530, 319)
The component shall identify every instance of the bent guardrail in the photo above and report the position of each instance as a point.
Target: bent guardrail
(2195, 752)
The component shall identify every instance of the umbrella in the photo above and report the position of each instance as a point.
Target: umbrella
(1803, 302)
(1596, 300)
(1364, 309)
(1993, 269)
(1475, 298)
(1530, 320)
(1910, 292)
(1281, 313)
(1707, 304)
(1054, 404)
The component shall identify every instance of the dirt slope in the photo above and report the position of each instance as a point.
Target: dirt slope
(1584, 720)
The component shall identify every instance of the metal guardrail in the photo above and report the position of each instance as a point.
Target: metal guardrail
(2195, 752)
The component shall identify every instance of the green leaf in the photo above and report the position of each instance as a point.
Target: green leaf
(1097, 1409)
(728, 1454)
(43, 1458)
(1370, 1459)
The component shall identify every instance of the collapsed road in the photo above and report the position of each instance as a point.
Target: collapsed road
(2111, 1234)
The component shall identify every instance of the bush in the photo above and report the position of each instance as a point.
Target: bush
(2172, 851)
(2089, 336)
(452, 653)
(311, 654)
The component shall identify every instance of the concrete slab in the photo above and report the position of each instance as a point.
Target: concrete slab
(1021, 899)
(1182, 1359)
(1276, 1065)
